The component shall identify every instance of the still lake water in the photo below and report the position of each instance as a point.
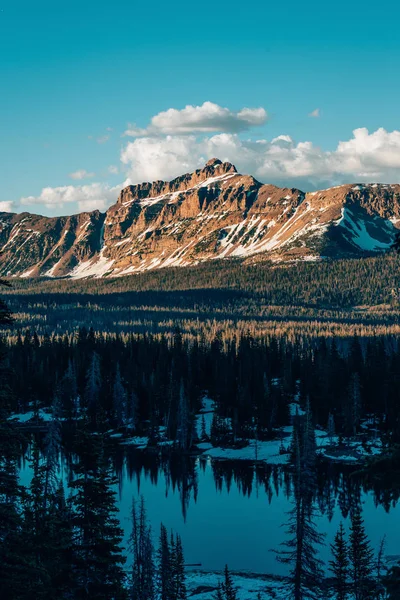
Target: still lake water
(220, 525)
(224, 526)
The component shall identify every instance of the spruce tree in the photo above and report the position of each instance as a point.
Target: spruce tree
(228, 586)
(164, 566)
(93, 388)
(340, 565)
(141, 547)
(301, 549)
(361, 557)
(219, 594)
(179, 591)
(98, 557)
(119, 399)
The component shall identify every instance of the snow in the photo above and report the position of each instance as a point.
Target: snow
(25, 417)
(172, 196)
(202, 585)
(27, 273)
(95, 268)
(50, 272)
(360, 236)
(124, 241)
(264, 451)
(139, 442)
(207, 411)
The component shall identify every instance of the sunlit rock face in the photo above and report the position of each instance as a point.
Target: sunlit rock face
(213, 213)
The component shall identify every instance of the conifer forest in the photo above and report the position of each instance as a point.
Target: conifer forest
(215, 433)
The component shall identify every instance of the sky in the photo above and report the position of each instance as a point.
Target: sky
(96, 95)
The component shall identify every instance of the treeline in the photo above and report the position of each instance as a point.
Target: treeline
(156, 385)
(340, 283)
(338, 298)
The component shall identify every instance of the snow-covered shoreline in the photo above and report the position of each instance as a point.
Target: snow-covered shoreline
(202, 585)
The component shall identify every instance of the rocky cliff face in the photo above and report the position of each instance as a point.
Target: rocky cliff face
(212, 213)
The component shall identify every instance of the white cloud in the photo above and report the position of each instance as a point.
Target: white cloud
(85, 197)
(207, 118)
(315, 113)
(149, 159)
(113, 169)
(81, 174)
(365, 157)
(6, 206)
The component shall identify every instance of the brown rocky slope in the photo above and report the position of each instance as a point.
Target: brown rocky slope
(212, 213)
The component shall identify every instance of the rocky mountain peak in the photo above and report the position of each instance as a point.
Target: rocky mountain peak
(212, 213)
(141, 191)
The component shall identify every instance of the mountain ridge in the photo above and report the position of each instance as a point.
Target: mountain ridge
(214, 212)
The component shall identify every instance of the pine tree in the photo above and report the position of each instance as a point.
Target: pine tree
(219, 594)
(69, 392)
(164, 566)
(93, 387)
(178, 571)
(301, 553)
(183, 429)
(354, 404)
(340, 564)
(141, 546)
(228, 586)
(331, 427)
(52, 444)
(119, 399)
(98, 558)
(13, 568)
(361, 557)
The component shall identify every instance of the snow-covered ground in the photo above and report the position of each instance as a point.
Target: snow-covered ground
(266, 451)
(205, 415)
(274, 452)
(202, 586)
(25, 417)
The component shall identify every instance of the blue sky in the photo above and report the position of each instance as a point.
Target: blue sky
(74, 75)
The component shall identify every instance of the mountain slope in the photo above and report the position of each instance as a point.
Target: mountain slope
(212, 213)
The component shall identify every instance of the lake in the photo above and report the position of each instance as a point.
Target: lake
(231, 512)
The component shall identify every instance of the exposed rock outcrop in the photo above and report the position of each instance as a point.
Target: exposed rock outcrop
(214, 212)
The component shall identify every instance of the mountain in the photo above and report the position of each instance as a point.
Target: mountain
(212, 213)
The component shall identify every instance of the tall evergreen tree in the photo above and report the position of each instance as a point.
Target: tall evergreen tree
(119, 399)
(93, 387)
(179, 591)
(301, 548)
(98, 557)
(340, 565)
(141, 546)
(361, 557)
(228, 587)
(164, 566)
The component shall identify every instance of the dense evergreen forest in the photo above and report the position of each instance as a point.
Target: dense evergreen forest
(282, 353)
(147, 383)
(338, 298)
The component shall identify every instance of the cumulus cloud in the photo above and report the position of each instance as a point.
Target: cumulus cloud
(6, 206)
(207, 118)
(365, 157)
(81, 174)
(315, 113)
(86, 197)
